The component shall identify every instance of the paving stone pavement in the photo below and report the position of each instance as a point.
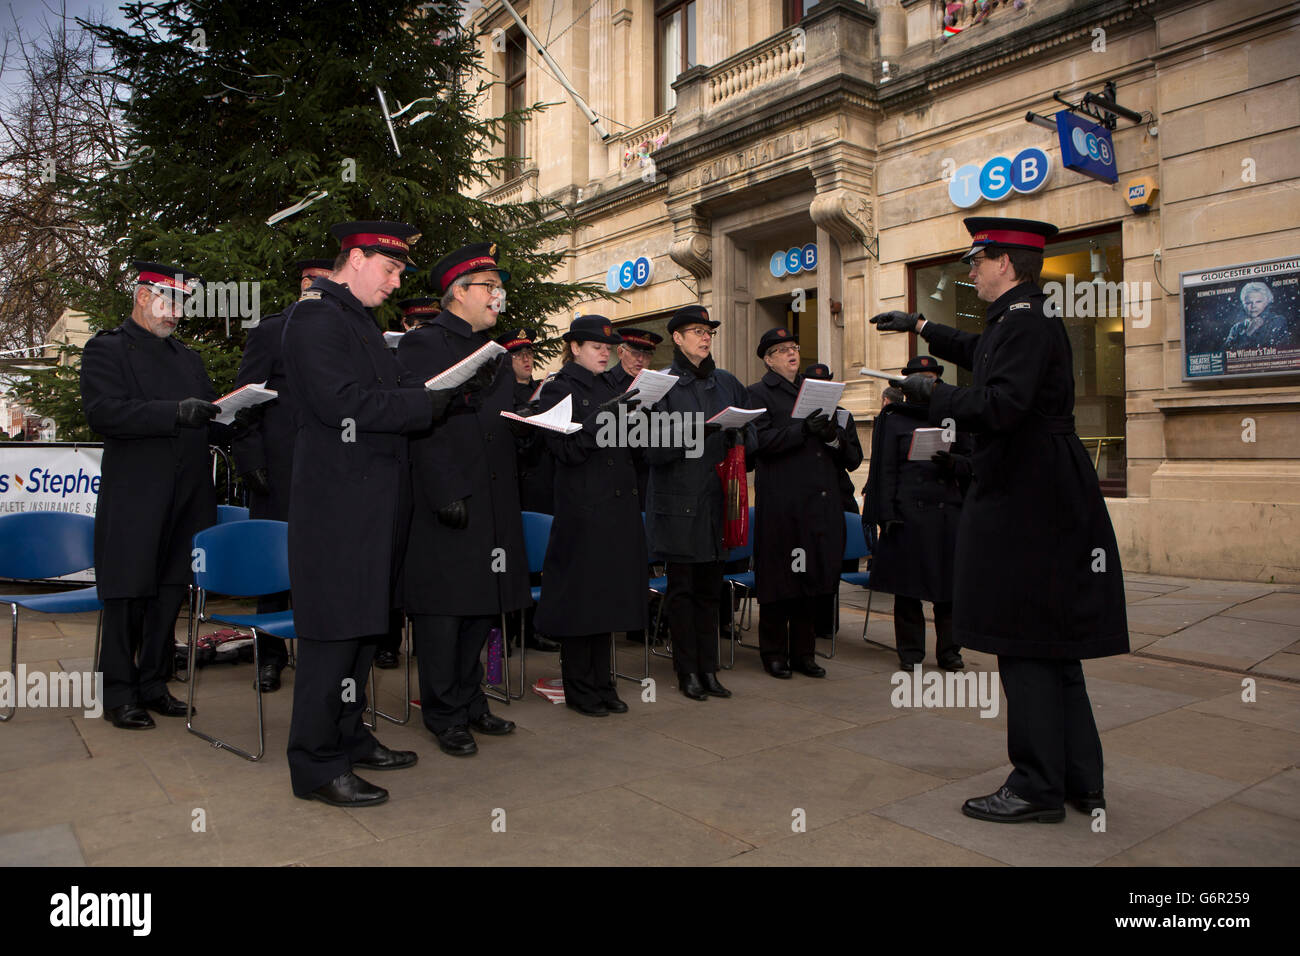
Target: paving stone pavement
(787, 772)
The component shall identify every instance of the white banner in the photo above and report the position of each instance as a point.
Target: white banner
(50, 478)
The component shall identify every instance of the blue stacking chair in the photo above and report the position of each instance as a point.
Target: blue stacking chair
(228, 513)
(242, 559)
(36, 545)
(744, 580)
(855, 548)
(537, 535)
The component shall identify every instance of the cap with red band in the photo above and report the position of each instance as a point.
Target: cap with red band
(516, 339)
(1007, 233)
(314, 268)
(476, 257)
(640, 339)
(162, 277)
(393, 239)
(414, 308)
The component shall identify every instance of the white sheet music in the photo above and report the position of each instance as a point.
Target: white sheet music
(464, 370)
(651, 385)
(817, 395)
(925, 442)
(245, 396)
(733, 417)
(556, 419)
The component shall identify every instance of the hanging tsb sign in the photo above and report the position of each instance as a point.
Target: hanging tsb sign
(1086, 147)
(1000, 177)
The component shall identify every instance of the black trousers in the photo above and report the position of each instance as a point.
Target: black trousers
(1052, 738)
(392, 641)
(693, 615)
(137, 652)
(788, 625)
(584, 666)
(326, 733)
(824, 619)
(448, 654)
(909, 630)
(272, 649)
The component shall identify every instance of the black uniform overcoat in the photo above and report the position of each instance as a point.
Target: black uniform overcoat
(268, 442)
(915, 559)
(797, 492)
(155, 489)
(350, 507)
(534, 461)
(684, 500)
(622, 381)
(594, 579)
(1038, 571)
(481, 569)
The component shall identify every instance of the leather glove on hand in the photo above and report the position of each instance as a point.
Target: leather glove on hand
(484, 377)
(247, 417)
(711, 429)
(455, 515)
(519, 429)
(195, 412)
(627, 398)
(257, 481)
(896, 321)
(441, 399)
(820, 426)
(893, 524)
(918, 387)
(952, 466)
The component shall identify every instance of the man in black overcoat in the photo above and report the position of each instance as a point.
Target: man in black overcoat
(150, 398)
(466, 564)
(350, 509)
(1037, 576)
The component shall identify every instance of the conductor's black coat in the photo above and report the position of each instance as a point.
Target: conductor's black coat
(594, 578)
(155, 489)
(268, 442)
(797, 498)
(1037, 571)
(914, 559)
(481, 569)
(350, 507)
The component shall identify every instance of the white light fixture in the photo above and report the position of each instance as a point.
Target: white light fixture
(884, 71)
(937, 294)
(1098, 262)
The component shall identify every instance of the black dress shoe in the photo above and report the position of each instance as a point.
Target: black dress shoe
(130, 717)
(167, 705)
(493, 725)
(615, 705)
(381, 758)
(952, 663)
(1087, 802)
(349, 790)
(457, 741)
(692, 687)
(536, 642)
(593, 710)
(712, 687)
(777, 668)
(268, 678)
(1006, 807)
(386, 660)
(808, 666)
(908, 666)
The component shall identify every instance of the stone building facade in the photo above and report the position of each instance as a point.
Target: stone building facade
(793, 163)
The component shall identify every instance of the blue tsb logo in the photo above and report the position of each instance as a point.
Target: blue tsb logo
(999, 177)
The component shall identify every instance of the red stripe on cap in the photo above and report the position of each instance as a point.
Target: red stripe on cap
(174, 282)
(1011, 236)
(422, 310)
(637, 340)
(359, 239)
(513, 342)
(473, 265)
(317, 273)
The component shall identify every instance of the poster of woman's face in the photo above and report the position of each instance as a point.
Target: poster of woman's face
(1241, 321)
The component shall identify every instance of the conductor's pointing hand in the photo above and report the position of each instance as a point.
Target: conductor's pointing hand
(897, 321)
(918, 387)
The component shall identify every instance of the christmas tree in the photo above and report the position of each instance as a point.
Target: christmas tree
(242, 111)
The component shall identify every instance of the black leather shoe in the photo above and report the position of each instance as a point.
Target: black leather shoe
(381, 758)
(130, 717)
(597, 710)
(536, 642)
(457, 741)
(1006, 807)
(908, 666)
(268, 678)
(777, 668)
(690, 685)
(349, 790)
(712, 687)
(952, 663)
(386, 660)
(615, 705)
(808, 666)
(167, 705)
(1087, 802)
(492, 725)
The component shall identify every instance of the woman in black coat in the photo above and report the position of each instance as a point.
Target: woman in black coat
(590, 589)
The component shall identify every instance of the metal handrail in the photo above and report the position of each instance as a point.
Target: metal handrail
(1102, 440)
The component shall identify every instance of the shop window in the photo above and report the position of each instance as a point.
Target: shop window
(1093, 320)
(516, 99)
(804, 326)
(674, 50)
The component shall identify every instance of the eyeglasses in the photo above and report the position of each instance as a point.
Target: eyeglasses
(492, 287)
(977, 259)
(785, 349)
(698, 331)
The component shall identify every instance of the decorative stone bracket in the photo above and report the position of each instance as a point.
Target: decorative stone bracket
(847, 215)
(693, 250)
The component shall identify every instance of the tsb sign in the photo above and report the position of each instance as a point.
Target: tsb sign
(999, 177)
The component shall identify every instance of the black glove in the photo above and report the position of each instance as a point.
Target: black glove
(249, 416)
(257, 481)
(484, 377)
(820, 426)
(441, 399)
(896, 321)
(918, 387)
(627, 398)
(195, 412)
(731, 437)
(519, 429)
(952, 466)
(711, 429)
(455, 515)
(893, 524)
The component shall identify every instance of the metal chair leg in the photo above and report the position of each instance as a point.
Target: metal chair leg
(189, 628)
(749, 597)
(835, 624)
(663, 599)
(13, 665)
(375, 712)
(217, 742)
(491, 690)
(867, 620)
